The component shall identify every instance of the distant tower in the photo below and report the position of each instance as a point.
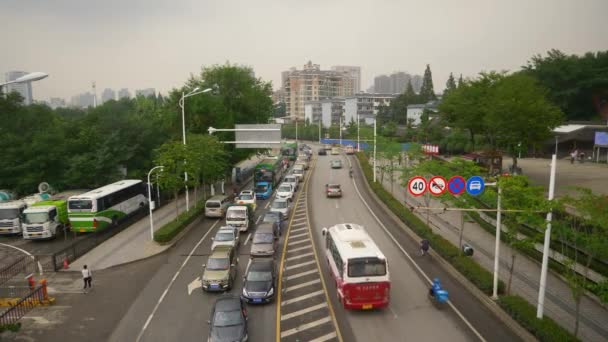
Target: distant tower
(94, 95)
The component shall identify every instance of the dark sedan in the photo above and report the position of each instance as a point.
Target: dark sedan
(259, 281)
(322, 152)
(228, 320)
(275, 218)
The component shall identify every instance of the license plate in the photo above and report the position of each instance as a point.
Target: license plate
(214, 286)
(36, 234)
(366, 306)
(257, 300)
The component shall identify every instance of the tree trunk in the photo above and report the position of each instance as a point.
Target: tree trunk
(195, 194)
(577, 313)
(461, 232)
(472, 137)
(513, 255)
(392, 175)
(514, 162)
(176, 196)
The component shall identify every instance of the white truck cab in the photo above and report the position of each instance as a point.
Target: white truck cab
(10, 217)
(238, 216)
(41, 222)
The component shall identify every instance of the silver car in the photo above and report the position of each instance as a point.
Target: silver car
(264, 242)
(226, 236)
(281, 206)
(291, 179)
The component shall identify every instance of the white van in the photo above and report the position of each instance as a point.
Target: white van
(216, 206)
(298, 172)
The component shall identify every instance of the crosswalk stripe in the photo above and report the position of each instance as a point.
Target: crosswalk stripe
(305, 327)
(303, 311)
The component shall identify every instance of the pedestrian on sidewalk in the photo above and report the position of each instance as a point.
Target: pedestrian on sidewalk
(424, 246)
(87, 277)
(573, 156)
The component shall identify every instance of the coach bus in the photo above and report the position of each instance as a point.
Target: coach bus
(358, 267)
(106, 206)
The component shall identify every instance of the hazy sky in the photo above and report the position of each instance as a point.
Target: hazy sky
(158, 43)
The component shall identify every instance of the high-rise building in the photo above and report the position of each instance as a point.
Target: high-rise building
(107, 95)
(417, 83)
(355, 74)
(124, 93)
(365, 106)
(145, 92)
(24, 89)
(399, 82)
(83, 100)
(382, 84)
(313, 84)
(56, 102)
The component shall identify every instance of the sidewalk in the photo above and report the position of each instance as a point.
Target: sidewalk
(559, 304)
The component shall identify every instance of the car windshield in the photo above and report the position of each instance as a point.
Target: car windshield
(298, 171)
(366, 267)
(80, 205)
(261, 188)
(8, 214)
(227, 318)
(285, 188)
(263, 238)
(36, 217)
(333, 186)
(259, 276)
(271, 217)
(213, 205)
(224, 237)
(279, 204)
(218, 264)
(246, 197)
(290, 179)
(236, 214)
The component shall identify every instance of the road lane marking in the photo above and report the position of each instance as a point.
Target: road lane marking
(258, 220)
(305, 327)
(298, 230)
(299, 265)
(299, 286)
(299, 219)
(390, 235)
(267, 204)
(247, 239)
(303, 311)
(298, 235)
(301, 298)
(324, 337)
(291, 243)
(299, 248)
(298, 256)
(301, 274)
(160, 300)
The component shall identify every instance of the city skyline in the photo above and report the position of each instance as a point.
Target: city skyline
(78, 43)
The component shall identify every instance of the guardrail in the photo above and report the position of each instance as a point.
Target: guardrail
(24, 265)
(23, 306)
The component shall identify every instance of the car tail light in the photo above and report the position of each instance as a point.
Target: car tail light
(94, 223)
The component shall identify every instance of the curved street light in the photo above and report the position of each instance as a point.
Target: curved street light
(150, 202)
(31, 77)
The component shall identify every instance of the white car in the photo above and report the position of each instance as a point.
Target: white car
(292, 180)
(285, 191)
(298, 172)
(281, 206)
(247, 197)
(226, 236)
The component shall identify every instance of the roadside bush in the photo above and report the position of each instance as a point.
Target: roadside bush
(14, 327)
(525, 314)
(474, 272)
(171, 229)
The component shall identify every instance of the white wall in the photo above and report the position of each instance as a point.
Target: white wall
(326, 114)
(308, 113)
(414, 113)
(350, 110)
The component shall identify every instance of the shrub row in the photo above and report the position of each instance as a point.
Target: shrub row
(465, 265)
(171, 229)
(524, 313)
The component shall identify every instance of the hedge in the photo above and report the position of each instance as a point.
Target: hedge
(483, 279)
(171, 229)
(544, 329)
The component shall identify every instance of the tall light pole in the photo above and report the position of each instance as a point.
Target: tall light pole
(358, 148)
(195, 91)
(150, 200)
(296, 130)
(319, 131)
(545, 263)
(497, 243)
(375, 149)
(340, 129)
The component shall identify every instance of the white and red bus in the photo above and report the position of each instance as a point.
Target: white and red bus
(358, 267)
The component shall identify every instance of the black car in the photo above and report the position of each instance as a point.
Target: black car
(259, 281)
(228, 320)
(275, 218)
(322, 151)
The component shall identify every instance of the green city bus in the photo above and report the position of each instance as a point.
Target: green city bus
(106, 206)
(290, 150)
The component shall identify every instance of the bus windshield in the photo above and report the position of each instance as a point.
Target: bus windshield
(366, 267)
(80, 205)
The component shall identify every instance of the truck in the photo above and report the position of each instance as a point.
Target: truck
(11, 213)
(239, 216)
(263, 190)
(44, 219)
(289, 149)
(268, 170)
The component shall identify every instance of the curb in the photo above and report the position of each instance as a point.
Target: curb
(485, 300)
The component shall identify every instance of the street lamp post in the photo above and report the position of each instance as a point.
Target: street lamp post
(340, 130)
(150, 200)
(195, 91)
(375, 150)
(545, 262)
(31, 77)
(358, 149)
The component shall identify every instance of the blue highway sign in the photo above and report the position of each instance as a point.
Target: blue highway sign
(475, 185)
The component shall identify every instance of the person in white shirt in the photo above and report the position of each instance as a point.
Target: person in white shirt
(87, 277)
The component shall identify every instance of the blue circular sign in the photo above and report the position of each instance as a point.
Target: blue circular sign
(475, 185)
(456, 185)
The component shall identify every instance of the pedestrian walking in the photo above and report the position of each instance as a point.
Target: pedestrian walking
(87, 277)
(573, 156)
(424, 246)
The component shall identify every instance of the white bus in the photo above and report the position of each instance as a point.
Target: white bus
(105, 206)
(358, 267)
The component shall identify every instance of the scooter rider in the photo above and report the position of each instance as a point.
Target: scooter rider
(350, 172)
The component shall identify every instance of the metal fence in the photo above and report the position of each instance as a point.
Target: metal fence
(22, 266)
(23, 306)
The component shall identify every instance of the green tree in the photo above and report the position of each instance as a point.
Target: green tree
(172, 156)
(460, 81)
(578, 85)
(450, 85)
(427, 91)
(409, 91)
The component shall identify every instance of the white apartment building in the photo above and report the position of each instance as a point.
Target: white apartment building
(364, 106)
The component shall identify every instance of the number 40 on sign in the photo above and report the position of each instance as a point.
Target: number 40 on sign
(417, 186)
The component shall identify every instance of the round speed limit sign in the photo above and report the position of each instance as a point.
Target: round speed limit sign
(417, 186)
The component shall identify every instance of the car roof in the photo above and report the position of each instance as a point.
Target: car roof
(285, 184)
(280, 200)
(265, 227)
(228, 303)
(247, 192)
(333, 184)
(261, 264)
